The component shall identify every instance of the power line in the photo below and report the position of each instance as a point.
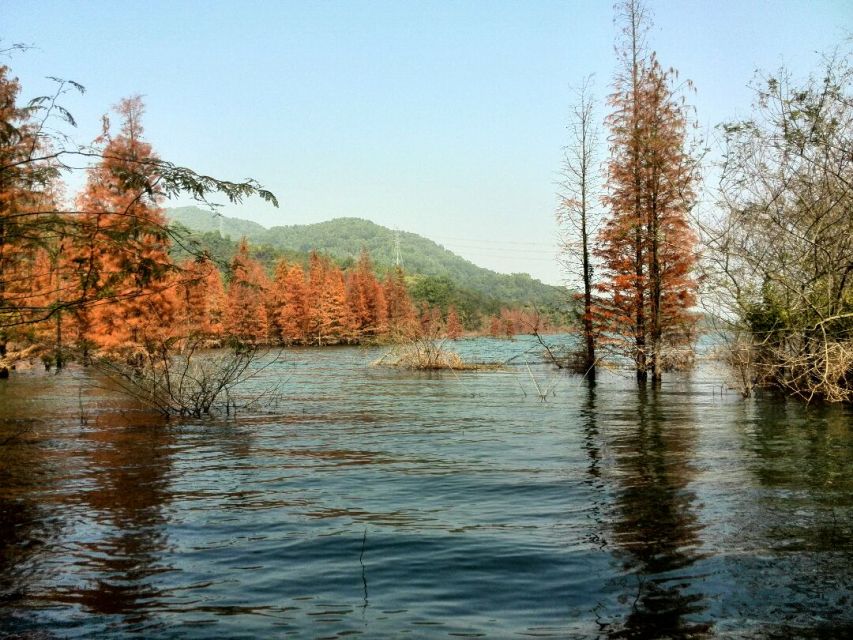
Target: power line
(491, 242)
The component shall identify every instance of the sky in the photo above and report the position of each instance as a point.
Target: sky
(446, 119)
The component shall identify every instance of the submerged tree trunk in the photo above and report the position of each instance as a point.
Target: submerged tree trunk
(588, 329)
(57, 357)
(655, 297)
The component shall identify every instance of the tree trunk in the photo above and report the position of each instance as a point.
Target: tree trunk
(58, 350)
(655, 297)
(640, 320)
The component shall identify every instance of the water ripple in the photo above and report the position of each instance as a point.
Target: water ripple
(381, 503)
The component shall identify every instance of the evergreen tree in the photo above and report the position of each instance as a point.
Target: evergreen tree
(202, 298)
(366, 299)
(27, 192)
(402, 317)
(292, 314)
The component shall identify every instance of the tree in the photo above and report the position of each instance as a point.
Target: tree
(246, 313)
(668, 178)
(646, 245)
(202, 298)
(622, 247)
(329, 319)
(26, 189)
(33, 155)
(366, 299)
(292, 314)
(122, 247)
(402, 317)
(454, 326)
(576, 214)
(432, 325)
(779, 268)
(276, 299)
(509, 322)
(50, 282)
(493, 326)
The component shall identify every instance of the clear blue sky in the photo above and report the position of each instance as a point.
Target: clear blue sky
(442, 118)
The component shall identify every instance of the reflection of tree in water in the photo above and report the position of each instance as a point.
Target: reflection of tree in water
(25, 530)
(655, 527)
(798, 521)
(129, 461)
(588, 415)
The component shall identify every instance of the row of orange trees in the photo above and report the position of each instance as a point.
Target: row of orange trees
(107, 282)
(92, 271)
(318, 305)
(94, 274)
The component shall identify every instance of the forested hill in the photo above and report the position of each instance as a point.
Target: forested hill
(344, 238)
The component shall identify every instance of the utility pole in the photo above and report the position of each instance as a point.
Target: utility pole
(398, 258)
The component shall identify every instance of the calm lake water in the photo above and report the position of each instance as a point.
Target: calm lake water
(383, 503)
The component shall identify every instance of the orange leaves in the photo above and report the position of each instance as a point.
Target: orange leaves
(121, 252)
(291, 304)
(454, 326)
(245, 310)
(646, 247)
(366, 300)
(27, 189)
(318, 306)
(401, 315)
(202, 299)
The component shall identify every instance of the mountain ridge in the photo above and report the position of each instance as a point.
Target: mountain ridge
(344, 238)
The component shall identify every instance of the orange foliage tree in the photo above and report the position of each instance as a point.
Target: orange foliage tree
(275, 300)
(292, 314)
(402, 318)
(245, 310)
(646, 246)
(366, 300)
(432, 324)
(329, 319)
(27, 194)
(453, 325)
(493, 326)
(122, 248)
(202, 298)
(101, 270)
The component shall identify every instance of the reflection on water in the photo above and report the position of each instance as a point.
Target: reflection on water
(382, 503)
(655, 524)
(126, 462)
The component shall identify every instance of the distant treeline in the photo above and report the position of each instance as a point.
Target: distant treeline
(432, 270)
(474, 308)
(320, 304)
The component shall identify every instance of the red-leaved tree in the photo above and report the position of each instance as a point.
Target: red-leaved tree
(646, 246)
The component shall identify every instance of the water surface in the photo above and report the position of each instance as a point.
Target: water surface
(382, 503)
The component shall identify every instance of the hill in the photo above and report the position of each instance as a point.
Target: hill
(434, 269)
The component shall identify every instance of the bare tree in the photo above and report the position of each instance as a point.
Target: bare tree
(779, 269)
(577, 214)
(178, 377)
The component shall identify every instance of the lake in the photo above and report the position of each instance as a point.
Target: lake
(375, 502)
